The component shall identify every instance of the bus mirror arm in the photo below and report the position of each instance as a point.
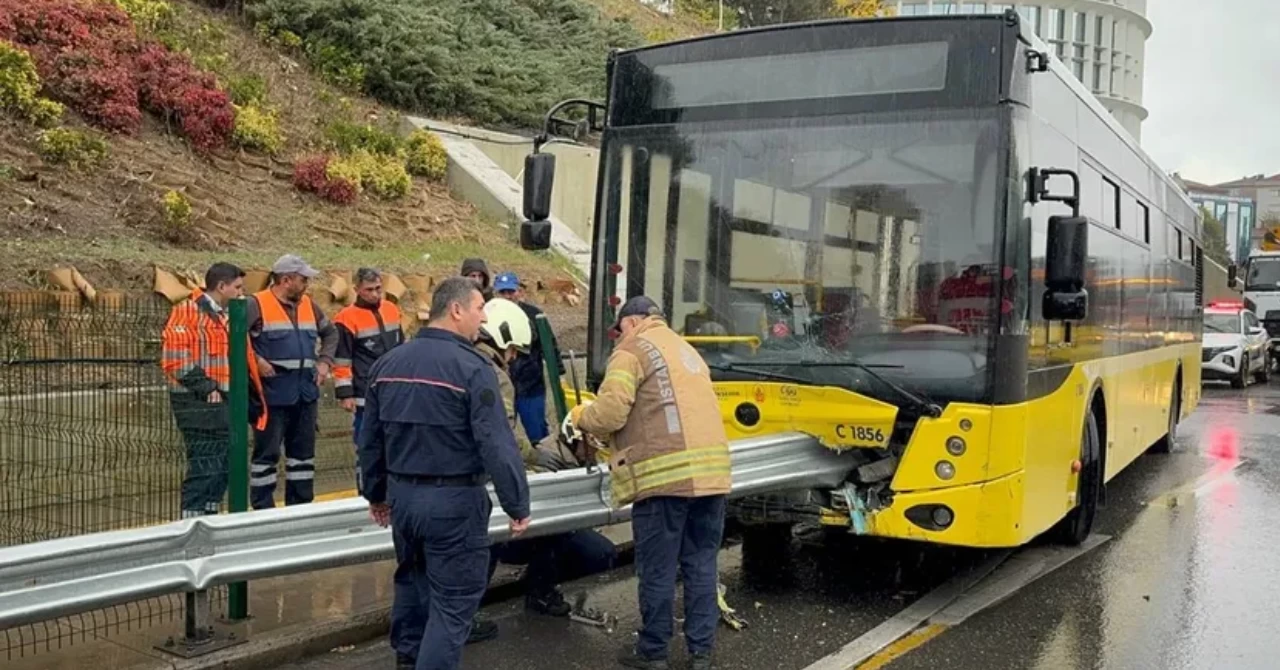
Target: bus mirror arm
(1039, 188)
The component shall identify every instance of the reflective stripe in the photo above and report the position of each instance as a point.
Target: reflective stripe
(299, 476)
(294, 364)
(428, 382)
(259, 469)
(342, 362)
(629, 480)
(263, 481)
(276, 325)
(175, 356)
(622, 377)
(294, 462)
(369, 332)
(359, 402)
(340, 382)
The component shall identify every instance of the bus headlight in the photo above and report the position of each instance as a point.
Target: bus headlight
(955, 445)
(944, 470)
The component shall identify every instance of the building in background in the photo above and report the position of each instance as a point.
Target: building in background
(1261, 189)
(1238, 214)
(1102, 41)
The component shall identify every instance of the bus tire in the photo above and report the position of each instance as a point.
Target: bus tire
(766, 541)
(1165, 444)
(1074, 528)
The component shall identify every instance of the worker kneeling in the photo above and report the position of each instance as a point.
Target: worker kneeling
(671, 457)
(555, 558)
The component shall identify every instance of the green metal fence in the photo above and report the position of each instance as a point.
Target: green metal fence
(88, 440)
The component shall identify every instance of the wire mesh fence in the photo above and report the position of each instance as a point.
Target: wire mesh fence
(88, 437)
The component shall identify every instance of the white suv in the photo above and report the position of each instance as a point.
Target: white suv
(1234, 346)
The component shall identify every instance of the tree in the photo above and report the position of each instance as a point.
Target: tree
(864, 9)
(1215, 238)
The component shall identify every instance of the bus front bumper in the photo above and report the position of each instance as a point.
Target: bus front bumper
(985, 514)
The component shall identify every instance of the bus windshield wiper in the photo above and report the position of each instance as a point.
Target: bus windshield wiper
(924, 406)
(734, 367)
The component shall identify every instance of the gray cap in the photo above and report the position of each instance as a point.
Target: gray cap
(641, 305)
(289, 264)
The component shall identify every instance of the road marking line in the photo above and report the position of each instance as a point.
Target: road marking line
(902, 647)
(326, 497)
(950, 604)
(909, 619)
(1012, 576)
(1200, 485)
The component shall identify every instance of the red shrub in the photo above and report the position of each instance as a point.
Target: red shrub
(83, 52)
(311, 174)
(89, 56)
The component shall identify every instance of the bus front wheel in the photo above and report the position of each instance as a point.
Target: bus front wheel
(1074, 528)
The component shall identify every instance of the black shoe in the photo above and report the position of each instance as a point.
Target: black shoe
(700, 661)
(482, 631)
(405, 662)
(550, 603)
(631, 659)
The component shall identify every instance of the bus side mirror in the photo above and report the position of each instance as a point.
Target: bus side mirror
(1065, 298)
(539, 177)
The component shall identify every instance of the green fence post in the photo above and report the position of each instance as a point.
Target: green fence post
(553, 364)
(238, 477)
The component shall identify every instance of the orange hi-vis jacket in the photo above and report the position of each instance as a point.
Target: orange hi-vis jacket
(196, 349)
(364, 334)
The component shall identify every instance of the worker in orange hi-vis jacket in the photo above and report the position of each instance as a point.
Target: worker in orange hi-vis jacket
(197, 368)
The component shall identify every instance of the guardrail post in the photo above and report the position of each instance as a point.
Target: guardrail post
(238, 477)
(552, 364)
(199, 637)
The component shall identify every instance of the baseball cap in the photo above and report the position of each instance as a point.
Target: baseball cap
(641, 305)
(507, 281)
(290, 264)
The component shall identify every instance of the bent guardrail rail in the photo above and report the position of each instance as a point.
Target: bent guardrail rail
(55, 578)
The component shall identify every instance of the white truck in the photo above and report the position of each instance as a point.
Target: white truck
(1259, 276)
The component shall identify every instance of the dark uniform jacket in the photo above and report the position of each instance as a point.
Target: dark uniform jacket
(433, 408)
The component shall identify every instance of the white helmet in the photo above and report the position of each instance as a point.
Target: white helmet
(507, 325)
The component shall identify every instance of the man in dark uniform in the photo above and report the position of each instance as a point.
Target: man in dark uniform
(434, 425)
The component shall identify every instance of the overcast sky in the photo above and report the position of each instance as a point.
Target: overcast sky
(1213, 88)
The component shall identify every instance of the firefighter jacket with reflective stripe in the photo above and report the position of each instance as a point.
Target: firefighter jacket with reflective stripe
(658, 405)
(364, 333)
(196, 349)
(290, 348)
(508, 391)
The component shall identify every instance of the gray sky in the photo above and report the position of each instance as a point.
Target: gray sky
(1212, 88)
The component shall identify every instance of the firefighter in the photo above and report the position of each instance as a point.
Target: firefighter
(196, 366)
(673, 464)
(434, 425)
(527, 368)
(285, 327)
(505, 334)
(367, 329)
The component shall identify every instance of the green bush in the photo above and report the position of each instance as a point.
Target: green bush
(71, 147)
(177, 215)
(425, 156)
(20, 88)
(257, 128)
(381, 175)
(150, 16)
(247, 90)
(490, 60)
(345, 137)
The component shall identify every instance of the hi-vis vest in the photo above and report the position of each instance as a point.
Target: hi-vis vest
(290, 348)
(364, 335)
(672, 441)
(194, 338)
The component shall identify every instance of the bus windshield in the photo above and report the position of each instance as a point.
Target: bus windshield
(857, 251)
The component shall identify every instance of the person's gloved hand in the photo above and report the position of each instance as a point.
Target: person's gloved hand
(569, 428)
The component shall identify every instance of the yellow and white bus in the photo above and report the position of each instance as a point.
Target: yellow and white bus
(920, 240)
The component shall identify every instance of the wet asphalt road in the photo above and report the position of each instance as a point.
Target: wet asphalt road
(1187, 581)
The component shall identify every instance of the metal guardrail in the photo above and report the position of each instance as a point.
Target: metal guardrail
(55, 578)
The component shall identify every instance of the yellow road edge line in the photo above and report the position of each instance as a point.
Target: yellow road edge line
(902, 647)
(327, 497)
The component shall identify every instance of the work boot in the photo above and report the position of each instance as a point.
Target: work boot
(550, 603)
(482, 631)
(700, 661)
(405, 662)
(630, 658)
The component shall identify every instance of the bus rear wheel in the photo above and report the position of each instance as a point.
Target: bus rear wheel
(1165, 444)
(1074, 528)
